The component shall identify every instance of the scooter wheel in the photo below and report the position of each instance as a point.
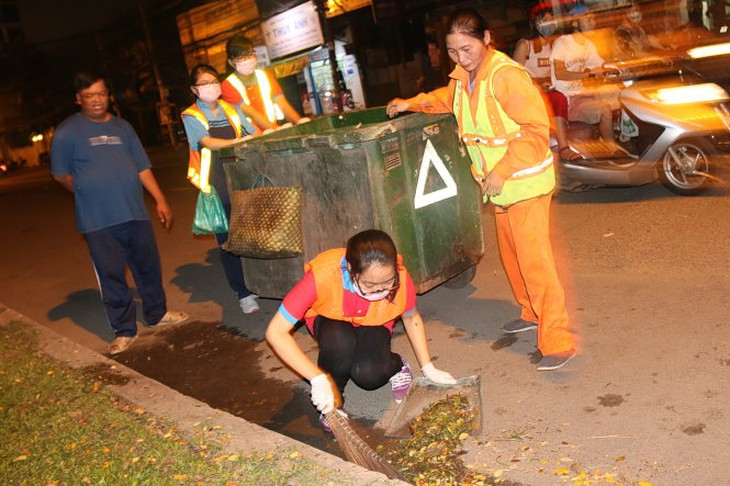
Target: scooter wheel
(686, 167)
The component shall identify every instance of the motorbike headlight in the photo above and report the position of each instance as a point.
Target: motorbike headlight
(708, 51)
(697, 93)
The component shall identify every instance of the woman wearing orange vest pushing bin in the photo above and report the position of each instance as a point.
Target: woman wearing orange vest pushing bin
(212, 124)
(257, 92)
(350, 299)
(505, 127)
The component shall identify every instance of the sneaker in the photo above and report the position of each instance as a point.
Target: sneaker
(519, 325)
(555, 361)
(120, 344)
(171, 318)
(325, 423)
(401, 382)
(249, 304)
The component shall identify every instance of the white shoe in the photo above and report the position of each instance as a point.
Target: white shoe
(248, 304)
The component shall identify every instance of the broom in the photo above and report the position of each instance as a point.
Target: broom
(355, 449)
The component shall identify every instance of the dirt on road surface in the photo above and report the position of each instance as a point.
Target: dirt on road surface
(646, 276)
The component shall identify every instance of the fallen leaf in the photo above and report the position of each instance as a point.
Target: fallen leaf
(21, 457)
(561, 471)
(294, 454)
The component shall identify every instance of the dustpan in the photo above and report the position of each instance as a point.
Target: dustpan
(424, 392)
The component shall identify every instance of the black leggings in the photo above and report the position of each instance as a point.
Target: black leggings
(361, 354)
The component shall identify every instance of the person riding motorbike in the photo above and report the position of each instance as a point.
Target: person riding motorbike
(533, 52)
(576, 70)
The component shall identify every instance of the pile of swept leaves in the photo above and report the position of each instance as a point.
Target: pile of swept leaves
(431, 454)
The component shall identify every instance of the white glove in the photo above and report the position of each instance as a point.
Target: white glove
(437, 376)
(322, 396)
(304, 119)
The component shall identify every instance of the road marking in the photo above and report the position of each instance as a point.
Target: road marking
(431, 157)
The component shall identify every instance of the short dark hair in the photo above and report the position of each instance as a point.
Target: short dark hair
(200, 69)
(84, 79)
(238, 46)
(468, 22)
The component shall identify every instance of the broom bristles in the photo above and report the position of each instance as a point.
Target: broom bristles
(357, 450)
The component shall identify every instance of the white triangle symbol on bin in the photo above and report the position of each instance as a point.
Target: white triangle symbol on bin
(431, 157)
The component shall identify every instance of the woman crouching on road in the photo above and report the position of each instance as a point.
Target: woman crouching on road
(350, 299)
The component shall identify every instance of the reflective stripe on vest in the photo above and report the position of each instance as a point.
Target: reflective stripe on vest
(330, 292)
(273, 112)
(199, 164)
(487, 136)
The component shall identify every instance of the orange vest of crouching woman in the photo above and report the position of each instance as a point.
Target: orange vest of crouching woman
(330, 293)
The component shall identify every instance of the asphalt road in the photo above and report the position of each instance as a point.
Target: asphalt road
(647, 279)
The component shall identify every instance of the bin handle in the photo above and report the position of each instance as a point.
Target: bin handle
(261, 180)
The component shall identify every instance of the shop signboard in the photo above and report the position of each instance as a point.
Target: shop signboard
(292, 31)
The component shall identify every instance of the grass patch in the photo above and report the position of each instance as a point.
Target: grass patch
(62, 426)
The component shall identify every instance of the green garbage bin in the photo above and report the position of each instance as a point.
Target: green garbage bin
(408, 176)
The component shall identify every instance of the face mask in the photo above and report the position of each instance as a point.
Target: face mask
(635, 17)
(209, 92)
(372, 297)
(247, 67)
(546, 29)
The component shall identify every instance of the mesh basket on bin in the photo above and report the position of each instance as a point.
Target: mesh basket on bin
(266, 222)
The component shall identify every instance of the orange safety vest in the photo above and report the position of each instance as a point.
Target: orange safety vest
(200, 160)
(273, 112)
(488, 134)
(327, 271)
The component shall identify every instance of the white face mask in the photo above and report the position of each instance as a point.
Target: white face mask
(209, 92)
(547, 28)
(372, 297)
(247, 67)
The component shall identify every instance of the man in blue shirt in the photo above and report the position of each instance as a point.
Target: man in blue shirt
(99, 158)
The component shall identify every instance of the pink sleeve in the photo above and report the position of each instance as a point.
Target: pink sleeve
(229, 93)
(410, 295)
(299, 299)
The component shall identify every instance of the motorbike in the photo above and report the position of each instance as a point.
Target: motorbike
(672, 125)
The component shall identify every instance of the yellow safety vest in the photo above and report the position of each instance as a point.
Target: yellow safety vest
(486, 137)
(273, 112)
(199, 161)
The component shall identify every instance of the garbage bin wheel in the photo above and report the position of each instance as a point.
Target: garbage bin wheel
(463, 279)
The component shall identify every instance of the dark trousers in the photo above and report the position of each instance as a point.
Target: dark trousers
(112, 250)
(230, 261)
(361, 354)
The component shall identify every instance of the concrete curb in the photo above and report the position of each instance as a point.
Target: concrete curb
(188, 413)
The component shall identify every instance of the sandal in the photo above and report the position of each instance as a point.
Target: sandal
(568, 154)
(120, 344)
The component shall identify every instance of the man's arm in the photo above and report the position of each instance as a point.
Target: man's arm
(66, 181)
(163, 210)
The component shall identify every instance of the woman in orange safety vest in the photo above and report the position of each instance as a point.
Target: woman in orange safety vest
(505, 127)
(350, 299)
(212, 124)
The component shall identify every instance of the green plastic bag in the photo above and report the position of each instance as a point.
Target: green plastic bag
(210, 217)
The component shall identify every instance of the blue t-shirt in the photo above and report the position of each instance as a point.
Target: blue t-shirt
(105, 160)
(194, 130)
